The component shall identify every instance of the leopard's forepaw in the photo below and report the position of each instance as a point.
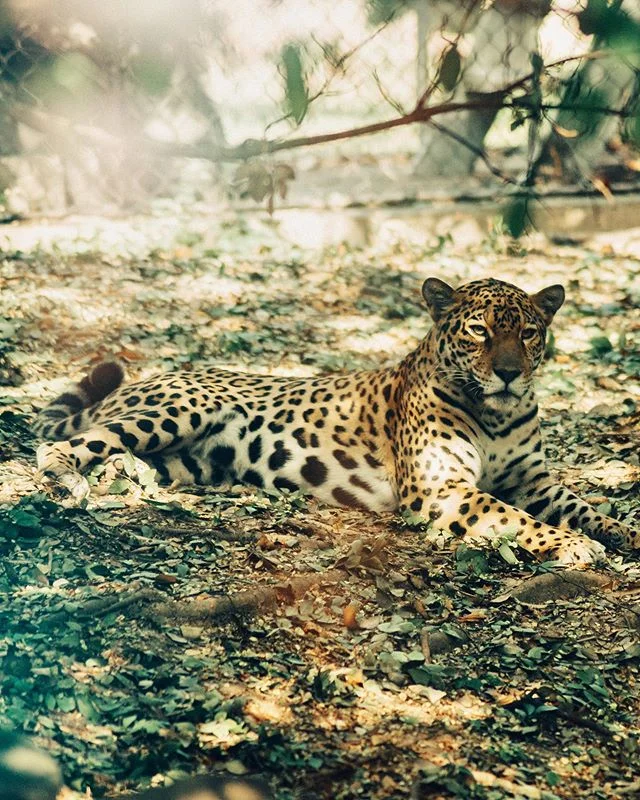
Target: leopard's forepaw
(77, 486)
(580, 551)
(621, 536)
(55, 461)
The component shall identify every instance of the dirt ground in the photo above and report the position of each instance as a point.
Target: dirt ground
(152, 633)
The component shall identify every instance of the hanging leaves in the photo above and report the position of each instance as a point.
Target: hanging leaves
(449, 69)
(295, 88)
(517, 216)
(258, 181)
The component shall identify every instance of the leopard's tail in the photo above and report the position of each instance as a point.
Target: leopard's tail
(64, 416)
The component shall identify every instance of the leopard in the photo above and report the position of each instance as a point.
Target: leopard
(449, 436)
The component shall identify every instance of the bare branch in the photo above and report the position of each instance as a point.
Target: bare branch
(420, 114)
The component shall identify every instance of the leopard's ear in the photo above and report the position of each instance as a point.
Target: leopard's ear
(438, 296)
(548, 301)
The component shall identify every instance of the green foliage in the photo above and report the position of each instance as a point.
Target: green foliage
(380, 12)
(550, 348)
(585, 103)
(632, 129)
(433, 675)
(529, 105)
(387, 293)
(16, 436)
(623, 351)
(32, 517)
(327, 688)
(296, 91)
(610, 23)
(600, 345)
(516, 215)
(151, 73)
(455, 780)
(279, 751)
(449, 69)
(471, 560)
(9, 342)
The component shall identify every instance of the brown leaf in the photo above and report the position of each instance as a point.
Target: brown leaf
(349, 616)
(477, 615)
(608, 383)
(566, 133)
(167, 579)
(600, 186)
(129, 355)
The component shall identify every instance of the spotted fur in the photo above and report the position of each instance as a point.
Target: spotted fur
(450, 434)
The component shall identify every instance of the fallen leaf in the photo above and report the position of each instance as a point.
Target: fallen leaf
(349, 616)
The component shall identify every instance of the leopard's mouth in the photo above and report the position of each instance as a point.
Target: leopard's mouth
(476, 392)
(502, 399)
(503, 394)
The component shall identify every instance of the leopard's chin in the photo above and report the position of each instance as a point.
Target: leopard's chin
(501, 401)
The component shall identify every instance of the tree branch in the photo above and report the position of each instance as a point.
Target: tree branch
(420, 114)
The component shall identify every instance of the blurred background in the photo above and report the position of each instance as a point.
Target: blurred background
(115, 107)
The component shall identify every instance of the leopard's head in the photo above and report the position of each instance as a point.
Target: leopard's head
(490, 337)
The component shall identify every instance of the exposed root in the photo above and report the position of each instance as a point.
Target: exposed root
(155, 604)
(561, 585)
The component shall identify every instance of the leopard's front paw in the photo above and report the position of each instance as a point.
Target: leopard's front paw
(55, 460)
(619, 536)
(579, 551)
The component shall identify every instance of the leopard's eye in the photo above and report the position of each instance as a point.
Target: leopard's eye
(478, 330)
(528, 333)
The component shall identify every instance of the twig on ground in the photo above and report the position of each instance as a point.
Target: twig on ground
(215, 534)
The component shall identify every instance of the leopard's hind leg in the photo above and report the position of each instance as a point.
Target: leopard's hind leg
(139, 434)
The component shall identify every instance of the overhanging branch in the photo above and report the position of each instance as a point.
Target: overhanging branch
(499, 99)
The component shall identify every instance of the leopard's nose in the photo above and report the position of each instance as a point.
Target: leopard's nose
(508, 375)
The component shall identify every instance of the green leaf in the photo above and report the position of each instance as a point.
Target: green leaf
(429, 675)
(507, 553)
(553, 779)
(151, 73)
(449, 69)
(296, 93)
(591, 17)
(396, 625)
(537, 65)
(119, 486)
(381, 11)
(469, 560)
(516, 215)
(600, 345)
(65, 703)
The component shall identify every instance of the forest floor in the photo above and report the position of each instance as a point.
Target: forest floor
(153, 632)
